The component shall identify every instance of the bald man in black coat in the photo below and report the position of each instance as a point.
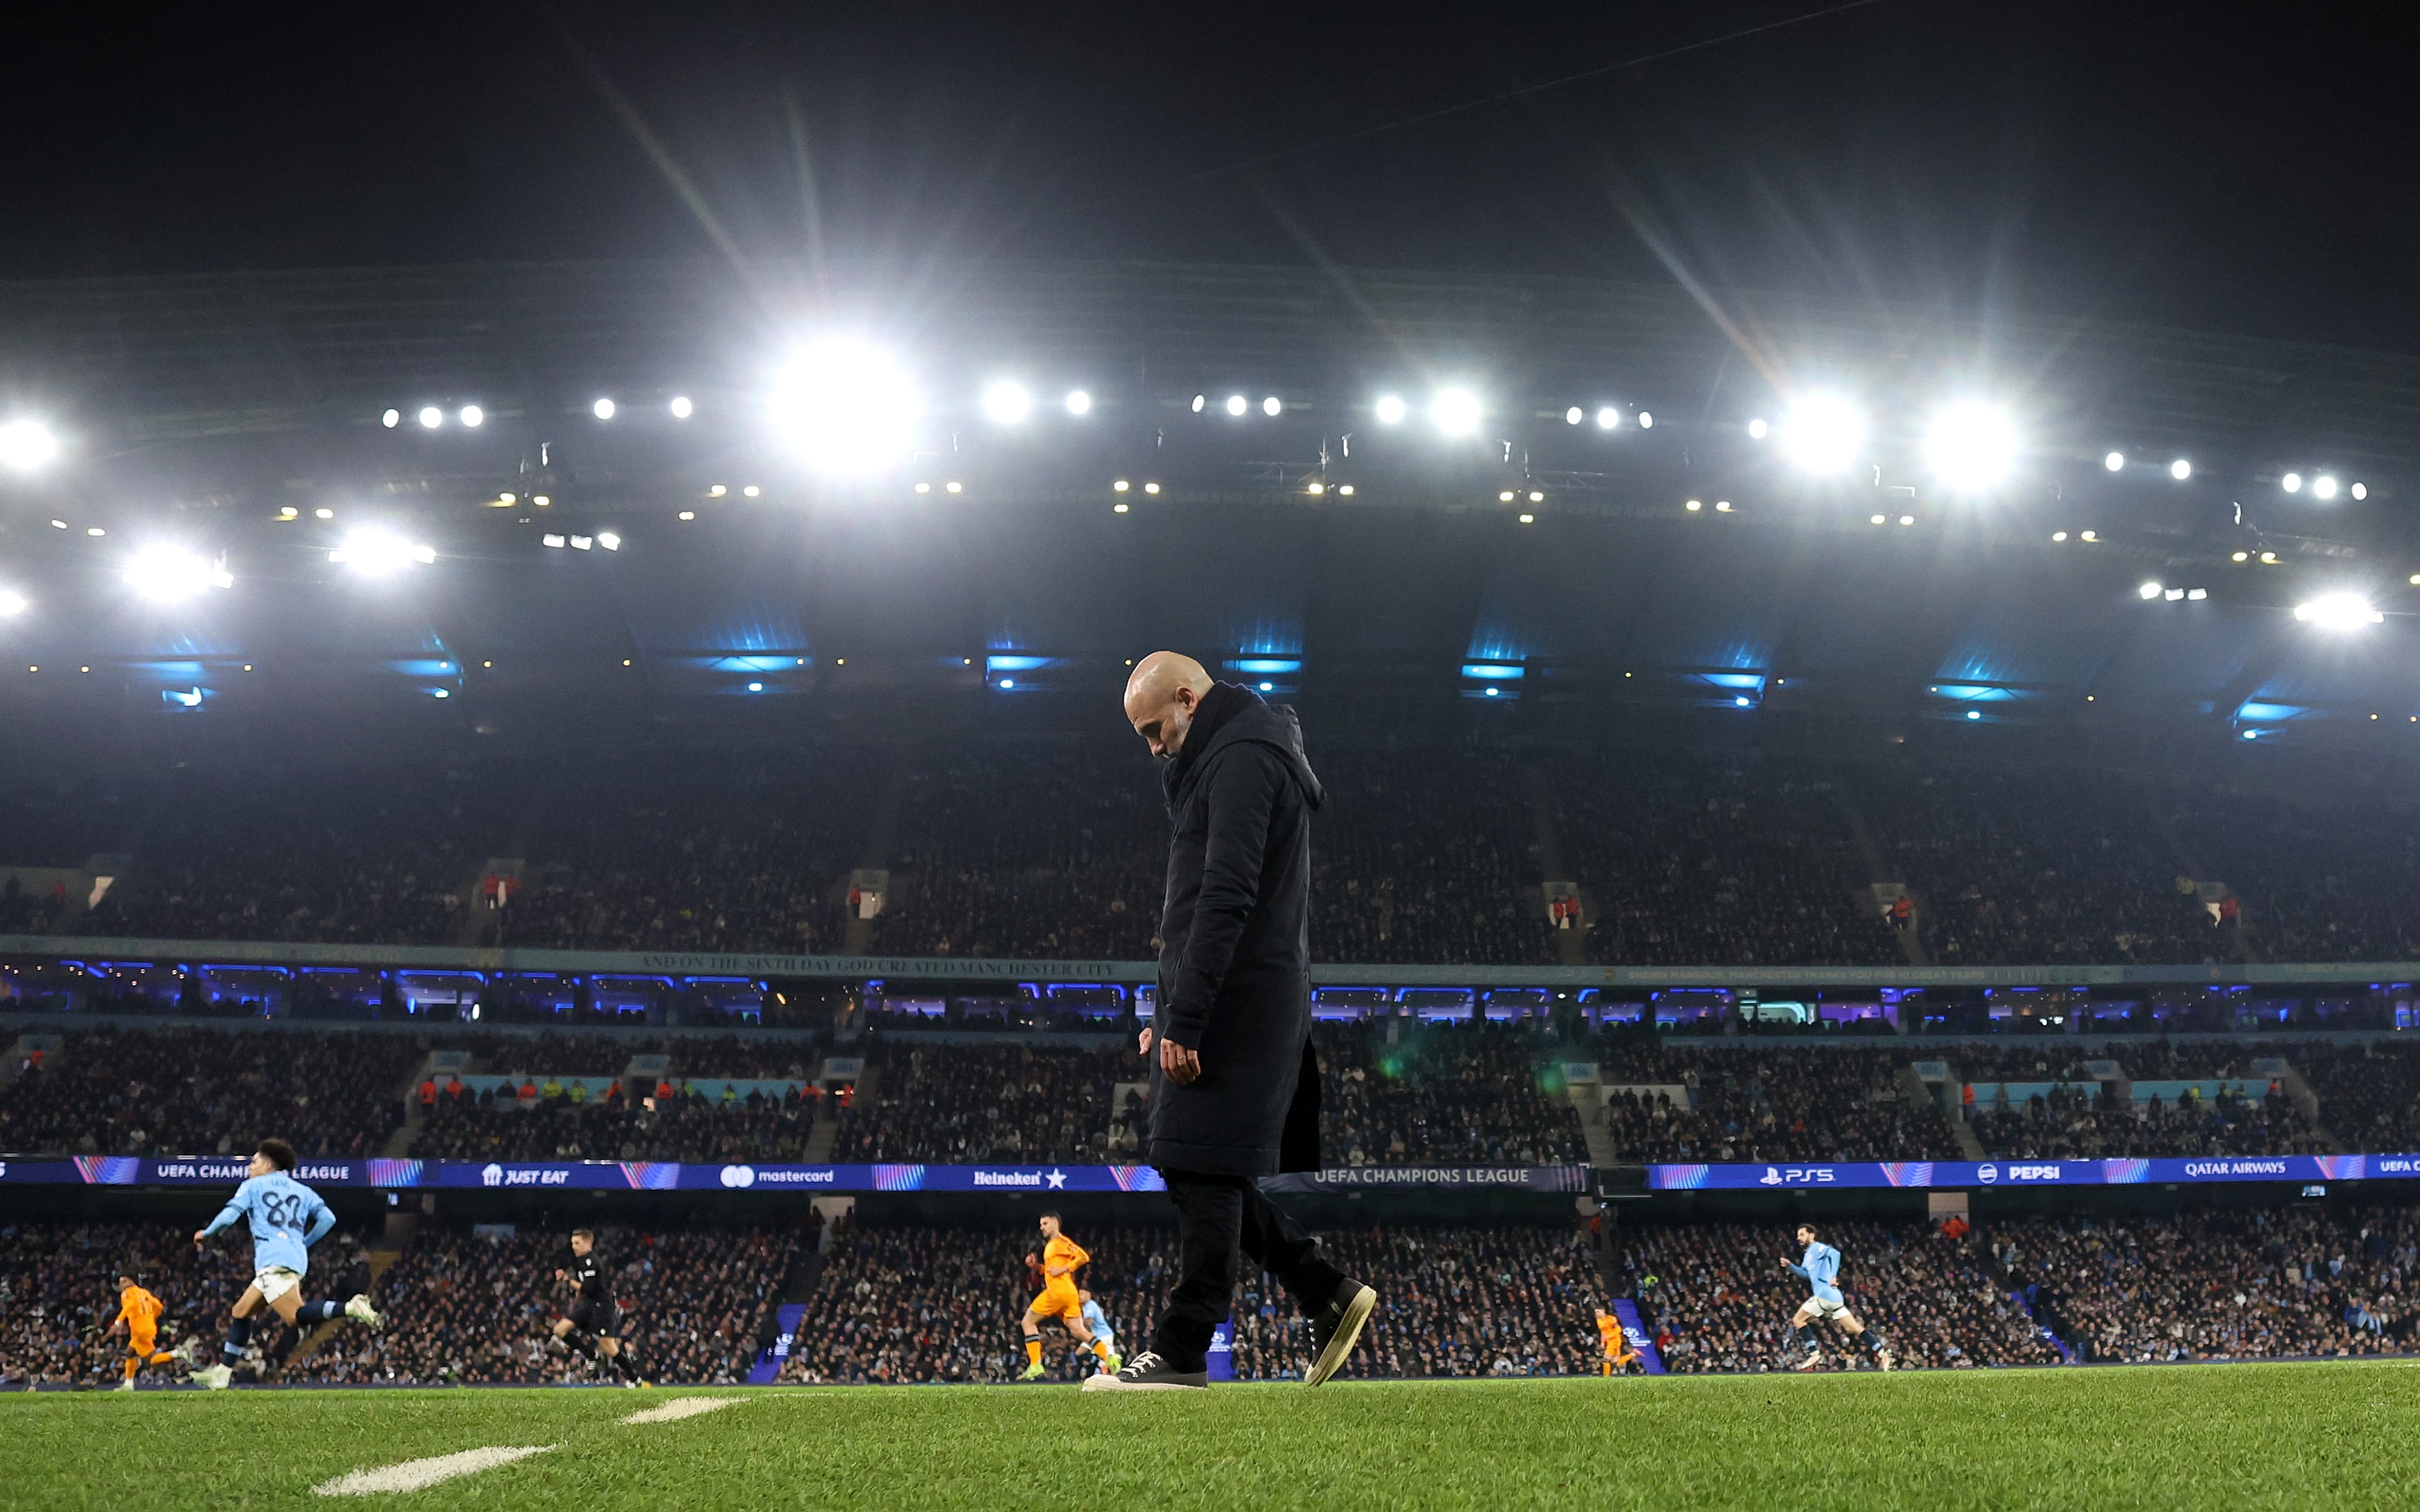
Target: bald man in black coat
(1235, 1084)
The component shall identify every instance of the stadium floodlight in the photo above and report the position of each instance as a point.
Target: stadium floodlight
(472, 416)
(431, 417)
(845, 405)
(2291, 483)
(166, 573)
(2323, 487)
(1758, 430)
(26, 444)
(2339, 611)
(2196, 594)
(12, 603)
(1237, 404)
(1822, 432)
(602, 409)
(2114, 461)
(1006, 403)
(1646, 420)
(2180, 469)
(1971, 446)
(610, 541)
(1200, 400)
(1390, 409)
(1573, 415)
(391, 419)
(2149, 590)
(1272, 407)
(2360, 490)
(1454, 411)
(681, 407)
(375, 552)
(1607, 418)
(2174, 595)
(551, 539)
(1078, 402)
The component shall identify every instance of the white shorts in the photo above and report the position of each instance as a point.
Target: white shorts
(1837, 1307)
(275, 1282)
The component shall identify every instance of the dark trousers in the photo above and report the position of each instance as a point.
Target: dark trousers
(1219, 1218)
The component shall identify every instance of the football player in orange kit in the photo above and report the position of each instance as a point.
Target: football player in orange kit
(1619, 1356)
(1059, 1260)
(138, 1316)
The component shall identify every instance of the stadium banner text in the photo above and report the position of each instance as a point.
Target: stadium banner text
(668, 1176)
(1970, 1174)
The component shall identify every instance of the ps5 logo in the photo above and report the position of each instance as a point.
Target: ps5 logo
(1796, 1176)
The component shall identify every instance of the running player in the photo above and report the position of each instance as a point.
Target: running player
(1619, 1356)
(1062, 1258)
(138, 1318)
(594, 1311)
(1096, 1323)
(287, 1219)
(1821, 1266)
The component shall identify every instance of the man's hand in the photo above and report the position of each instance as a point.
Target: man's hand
(1142, 1042)
(1180, 1064)
(201, 1237)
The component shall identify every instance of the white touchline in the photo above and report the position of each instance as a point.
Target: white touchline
(681, 1407)
(416, 1475)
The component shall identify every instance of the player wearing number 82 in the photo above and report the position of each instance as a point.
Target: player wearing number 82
(286, 1218)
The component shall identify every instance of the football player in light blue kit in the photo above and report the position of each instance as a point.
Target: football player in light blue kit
(1821, 1266)
(287, 1219)
(1097, 1320)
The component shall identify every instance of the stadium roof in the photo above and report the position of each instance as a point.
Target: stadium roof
(1684, 564)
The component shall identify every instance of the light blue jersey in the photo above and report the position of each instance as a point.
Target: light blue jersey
(1096, 1323)
(1821, 1269)
(286, 1218)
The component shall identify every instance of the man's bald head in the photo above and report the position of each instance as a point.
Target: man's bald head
(1161, 696)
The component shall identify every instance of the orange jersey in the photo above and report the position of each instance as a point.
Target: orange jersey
(1608, 1328)
(139, 1310)
(1060, 1259)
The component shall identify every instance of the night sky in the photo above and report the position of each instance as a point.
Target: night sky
(2237, 167)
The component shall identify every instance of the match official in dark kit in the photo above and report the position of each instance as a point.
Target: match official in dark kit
(1235, 1086)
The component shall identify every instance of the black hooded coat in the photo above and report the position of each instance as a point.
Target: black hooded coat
(1234, 952)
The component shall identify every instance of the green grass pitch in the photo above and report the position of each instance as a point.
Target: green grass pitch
(2197, 1437)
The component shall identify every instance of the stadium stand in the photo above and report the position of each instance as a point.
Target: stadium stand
(466, 1309)
(1394, 1091)
(194, 1091)
(976, 1103)
(486, 1127)
(58, 1291)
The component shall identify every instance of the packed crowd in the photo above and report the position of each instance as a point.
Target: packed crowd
(464, 1309)
(175, 1090)
(1041, 849)
(1751, 1103)
(2071, 1125)
(1051, 847)
(1396, 1091)
(1425, 855)
(908, 1304)
(1717, 1298)
(2369, 1094)
(2031, 866)
(969, 1104)
(484, 1127)
(58, 1294)
(902, 1305)
(2221, 1285)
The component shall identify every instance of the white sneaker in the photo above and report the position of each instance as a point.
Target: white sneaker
(128, 1384)
(216, 1378)
(1882, 1358)
(360, 1311)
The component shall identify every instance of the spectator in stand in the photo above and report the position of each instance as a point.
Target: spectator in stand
(1694, 861)
(185, 1091)
(1717, 1296)
(2037, 866)
(466, 1310)
(1397, 1091)
(59, 1288)
(965, 1103)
